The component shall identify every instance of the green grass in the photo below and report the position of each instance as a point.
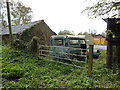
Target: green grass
(23, 70)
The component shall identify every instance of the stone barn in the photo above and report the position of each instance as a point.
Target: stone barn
(25, 32)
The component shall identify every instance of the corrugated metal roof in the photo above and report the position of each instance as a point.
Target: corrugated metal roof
(18, 28)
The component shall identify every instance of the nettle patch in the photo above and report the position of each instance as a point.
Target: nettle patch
(23, 70)
(12, 74)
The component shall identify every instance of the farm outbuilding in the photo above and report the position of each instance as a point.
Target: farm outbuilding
(99, 39)
(26, 32)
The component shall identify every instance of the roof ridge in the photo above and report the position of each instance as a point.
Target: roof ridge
(19, 28)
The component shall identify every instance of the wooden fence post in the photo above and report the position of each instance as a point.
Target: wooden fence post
(114, 59)
(90, 60)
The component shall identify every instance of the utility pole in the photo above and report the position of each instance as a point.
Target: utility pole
(9, 22)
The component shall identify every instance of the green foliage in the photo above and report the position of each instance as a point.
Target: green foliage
(91, 32)
(19, 44)
(66, 32)
(34, 45)
(13, 73)
(83, 33)
(3, 15)
(118, 22)
(20, 14)
(109, 32)
(25, 36)
(23, 70)
(102, 8)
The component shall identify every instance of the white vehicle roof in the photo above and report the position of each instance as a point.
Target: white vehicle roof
(66, 36)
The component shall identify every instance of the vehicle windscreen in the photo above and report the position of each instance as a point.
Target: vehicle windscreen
(76, 42)
(58, 42)
(82, 42)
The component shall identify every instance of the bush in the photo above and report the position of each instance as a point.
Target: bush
(19, 44)
(34, 45)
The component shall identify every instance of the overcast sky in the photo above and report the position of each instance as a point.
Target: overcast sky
(65, 15)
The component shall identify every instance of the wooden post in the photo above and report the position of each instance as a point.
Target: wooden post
(9, 21)
(118, 57)
(114, 59)
(109, 55)
(90, 60)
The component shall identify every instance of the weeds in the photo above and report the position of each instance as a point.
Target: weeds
(23, 70)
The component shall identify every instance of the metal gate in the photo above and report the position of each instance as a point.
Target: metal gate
(65, 55)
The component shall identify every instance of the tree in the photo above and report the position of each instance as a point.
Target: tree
(103, 34)
(20, 14)
(3, 14)
(66, 32)
(93, 32)
(102, 8)
(80, 33)
(83, 33)
(86, 33)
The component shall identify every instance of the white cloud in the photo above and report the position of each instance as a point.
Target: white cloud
(64, 15)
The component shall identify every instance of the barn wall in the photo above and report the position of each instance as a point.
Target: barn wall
(47, 32)
(96, 41)
(40, 30)
(6, 39)
(99, 40)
